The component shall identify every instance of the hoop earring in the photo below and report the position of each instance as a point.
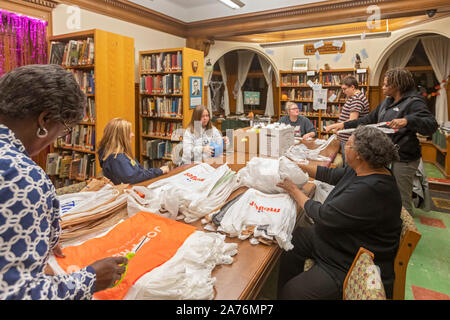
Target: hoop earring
(39, 135)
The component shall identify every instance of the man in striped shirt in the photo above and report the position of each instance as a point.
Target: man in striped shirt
(355, 107)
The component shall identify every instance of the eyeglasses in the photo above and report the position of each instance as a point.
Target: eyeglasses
(67, 130)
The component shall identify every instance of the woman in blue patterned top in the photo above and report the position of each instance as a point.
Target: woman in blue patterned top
(38, 103)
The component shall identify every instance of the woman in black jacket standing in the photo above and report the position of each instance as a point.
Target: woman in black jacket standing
(404, 109)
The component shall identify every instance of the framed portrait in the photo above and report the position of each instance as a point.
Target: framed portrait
(300, 64)
(195, 91)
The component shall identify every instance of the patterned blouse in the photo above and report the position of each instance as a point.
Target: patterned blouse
(29, 230)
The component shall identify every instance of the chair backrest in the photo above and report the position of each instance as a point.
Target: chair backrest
(363, 280)
(408, 241)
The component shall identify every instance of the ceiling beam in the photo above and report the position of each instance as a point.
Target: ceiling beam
(289, 18)
(312, 15)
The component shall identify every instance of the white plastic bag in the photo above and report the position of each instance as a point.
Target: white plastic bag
(264, 174)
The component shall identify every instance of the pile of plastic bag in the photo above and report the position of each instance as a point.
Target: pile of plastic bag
(189, 195)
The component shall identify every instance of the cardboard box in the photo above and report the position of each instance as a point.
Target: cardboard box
(246, 140)
(274, 142)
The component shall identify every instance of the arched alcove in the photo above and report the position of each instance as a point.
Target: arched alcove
(255, 80)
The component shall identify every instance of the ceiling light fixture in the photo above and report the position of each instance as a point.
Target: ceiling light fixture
(235, 4)
(384, 34)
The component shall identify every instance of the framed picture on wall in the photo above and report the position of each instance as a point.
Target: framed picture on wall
(195, 91)
(300, 64)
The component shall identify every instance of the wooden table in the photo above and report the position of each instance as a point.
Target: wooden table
(252, 265)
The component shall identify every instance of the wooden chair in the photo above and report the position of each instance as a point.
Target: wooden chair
(363, 280)
(409, 238)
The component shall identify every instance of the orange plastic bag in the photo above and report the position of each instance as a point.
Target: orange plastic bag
(164, 235)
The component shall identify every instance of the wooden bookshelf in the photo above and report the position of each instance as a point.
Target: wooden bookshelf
(294, 87)
(113, 93)
(164, 100)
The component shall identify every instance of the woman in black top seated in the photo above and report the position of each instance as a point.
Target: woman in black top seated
(363, 210)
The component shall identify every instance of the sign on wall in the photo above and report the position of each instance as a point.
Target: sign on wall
(325, 48)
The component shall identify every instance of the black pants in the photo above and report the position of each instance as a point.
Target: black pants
(293, 283)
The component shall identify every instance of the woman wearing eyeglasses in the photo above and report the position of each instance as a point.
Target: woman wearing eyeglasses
(303, 127)
(363, 210)
(38, 103)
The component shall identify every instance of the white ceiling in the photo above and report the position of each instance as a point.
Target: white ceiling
(196, 10)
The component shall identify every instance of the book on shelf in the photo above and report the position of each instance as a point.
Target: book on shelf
(51, 164)
(158, 149)
(70, 165)
(85, 79)
(56, 52)
(297, 79)
(147, 164)
(162, 62)
(161, 128)
(161, 84)
(76, 53)
(89, 110)
(81, 137)
(162, 106)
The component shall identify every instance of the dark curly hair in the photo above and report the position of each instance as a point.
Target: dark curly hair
(29, 90)
(374, 146)
(401, 79)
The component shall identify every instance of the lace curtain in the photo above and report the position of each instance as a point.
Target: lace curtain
(437, 49)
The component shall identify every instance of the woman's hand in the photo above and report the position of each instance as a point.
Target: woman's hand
(398, 123)
(335, 127)
(208, 150)
(309, 135)
(58, 252)
(291, 189)
(289, 186)
(108, 271)
(226, 140)
(165, 169)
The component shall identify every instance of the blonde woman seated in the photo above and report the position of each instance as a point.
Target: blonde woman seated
(198, 137)
(116, 157)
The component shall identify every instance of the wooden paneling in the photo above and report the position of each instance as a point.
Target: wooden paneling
(114, 72)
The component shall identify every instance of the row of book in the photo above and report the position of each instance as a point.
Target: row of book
(162, 106)
(89, 110)
(160, 128)
(333, 109)
(71, 165)
(335, 79)
(440, 138)
(147, 164)
(157, 84)
(81, 137)
(296, 79)
(85, 79)
(158, 149)
(162, 62)
(72, 53)
(298, 94)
